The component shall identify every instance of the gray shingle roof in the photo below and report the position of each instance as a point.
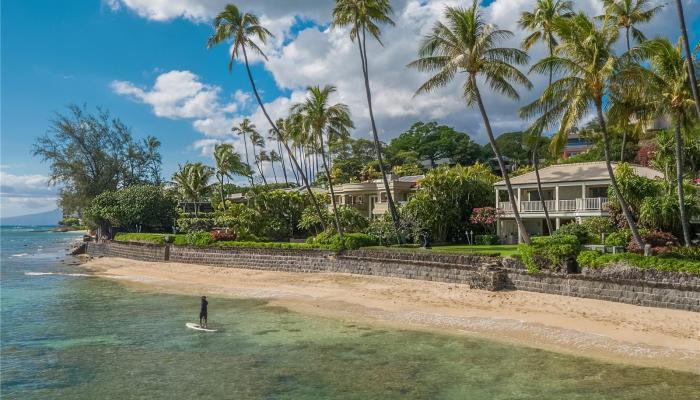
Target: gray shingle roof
(589, 171)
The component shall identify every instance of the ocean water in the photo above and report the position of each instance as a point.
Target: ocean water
(68, 335)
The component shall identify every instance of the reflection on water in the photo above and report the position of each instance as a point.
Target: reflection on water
(76, 337)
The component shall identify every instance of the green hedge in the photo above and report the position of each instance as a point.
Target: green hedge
(351, 241)
(192, 240)
(486, 240)
(549, 252)
(594, 259)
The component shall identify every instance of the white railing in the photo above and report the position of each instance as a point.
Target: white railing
(592, 204)
(567, 205)
(505, 206)
(588, 204)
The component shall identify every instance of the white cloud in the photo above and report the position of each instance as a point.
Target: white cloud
(319, 56)
(23, 194)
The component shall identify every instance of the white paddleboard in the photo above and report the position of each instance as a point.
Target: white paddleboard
(196, 327)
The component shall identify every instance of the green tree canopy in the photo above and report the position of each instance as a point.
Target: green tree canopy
(90, 153)
(432, 142)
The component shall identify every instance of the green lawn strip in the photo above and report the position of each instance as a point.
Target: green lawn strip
(490, 250)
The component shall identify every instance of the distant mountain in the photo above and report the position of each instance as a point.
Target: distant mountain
(44, 218)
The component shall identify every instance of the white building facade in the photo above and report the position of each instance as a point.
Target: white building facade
(572, 192)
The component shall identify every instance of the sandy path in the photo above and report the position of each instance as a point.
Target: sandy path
(604, 330)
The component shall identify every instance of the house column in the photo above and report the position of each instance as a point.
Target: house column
(556, 198)
(558, 223)
(497, 191)
(520, 231)
(583, 190)
(519, 199)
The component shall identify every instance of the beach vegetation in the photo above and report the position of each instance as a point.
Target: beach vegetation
(674, 262)
(94, 152)
(550, 252)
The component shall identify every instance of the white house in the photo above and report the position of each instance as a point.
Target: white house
(572, 192)
(370, 197)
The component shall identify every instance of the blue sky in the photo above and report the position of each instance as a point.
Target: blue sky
(112, 53)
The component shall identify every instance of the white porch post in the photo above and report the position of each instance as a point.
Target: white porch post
(583, 190)
(519, 199)
(496, 198)
(558, 223)
(556, 198)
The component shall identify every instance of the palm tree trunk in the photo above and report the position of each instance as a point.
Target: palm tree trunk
(247, 159)
(679, 182)
(272, 163)
(284, 167)
(277, 132)
(622, 151)
(375, 135)
(492, 140)
(688, 57)
(613, 182)
(330, 186)
(221, 192)
(294, 171)
(536, 159)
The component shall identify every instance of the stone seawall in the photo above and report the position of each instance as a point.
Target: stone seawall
(626, 285)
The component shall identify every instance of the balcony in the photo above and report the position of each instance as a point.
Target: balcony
(592, 204)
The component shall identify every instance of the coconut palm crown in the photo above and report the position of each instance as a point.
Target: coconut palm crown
(466, 44)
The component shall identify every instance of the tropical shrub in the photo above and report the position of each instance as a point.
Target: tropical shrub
(382, 228)
(594, 259)
(187, 224)
(69, 221)
(134, 208)
(549, 252)
(692, 253)
(486, 239)
(351, 241)
(223, 235)
(619, 238)
(486, 217)
(199, 238)
(583, 235)
(598, 226)
(660, 242)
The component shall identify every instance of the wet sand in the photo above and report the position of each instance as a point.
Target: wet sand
(607, 331)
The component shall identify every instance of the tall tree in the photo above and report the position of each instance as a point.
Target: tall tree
(587, 64)
(279, 153)
(244, 129)
(667, 90)
(323, 122)
(364, 17)
(689, 55)
(274, 157)
(540, 23)
(228, 163)
(90, 153)
(466, 44)
(627, 14)
(243, 29)
(260, 156)
(192, 183)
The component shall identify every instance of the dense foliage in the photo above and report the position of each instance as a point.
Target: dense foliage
(550, 252)
(91, 153)
(594, 259)
(134, 208)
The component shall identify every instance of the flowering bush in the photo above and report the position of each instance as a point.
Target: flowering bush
(485, 216)
(661, 242)
(223, 234)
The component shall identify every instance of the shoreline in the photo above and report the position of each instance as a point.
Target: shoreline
(606, 331)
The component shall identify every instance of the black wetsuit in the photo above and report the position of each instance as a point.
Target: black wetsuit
(203, 310)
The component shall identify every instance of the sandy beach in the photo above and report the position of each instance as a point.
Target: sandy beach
(603, 330)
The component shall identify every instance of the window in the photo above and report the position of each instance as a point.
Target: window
(598, 192)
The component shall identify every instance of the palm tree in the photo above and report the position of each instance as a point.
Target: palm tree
(540, 23)
(243, 29)
(689, 56)
(223, 157)
(466, 44)
(274, 157)
(588, 64)
(363, 17)
(257, 140)
(192, 182)
(279, 153)
(667, 90)
(243, 129)
(322, 122)
(627, 14)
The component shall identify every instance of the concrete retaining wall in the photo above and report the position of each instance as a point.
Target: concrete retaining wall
(621, 284)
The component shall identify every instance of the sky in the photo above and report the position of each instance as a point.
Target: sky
(146, 61)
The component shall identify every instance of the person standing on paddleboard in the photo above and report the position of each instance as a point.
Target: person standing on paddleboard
(203, 312)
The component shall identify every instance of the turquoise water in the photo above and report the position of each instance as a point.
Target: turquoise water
(68, 336)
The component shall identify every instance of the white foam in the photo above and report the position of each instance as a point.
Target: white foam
(52, 273)
(20, 255)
